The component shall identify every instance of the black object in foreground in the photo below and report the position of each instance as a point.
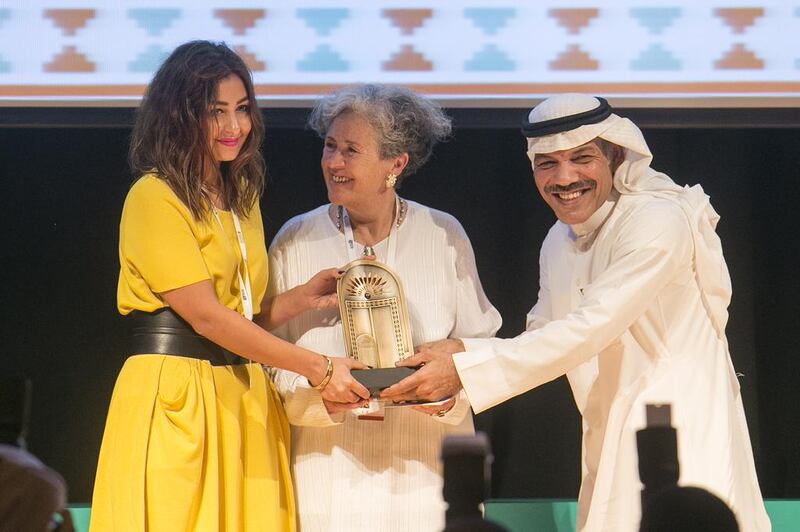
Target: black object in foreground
(378, 379)
(667, 507)
(657, 445)
(467, 469)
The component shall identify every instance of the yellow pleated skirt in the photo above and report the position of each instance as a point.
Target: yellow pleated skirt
(193, 447)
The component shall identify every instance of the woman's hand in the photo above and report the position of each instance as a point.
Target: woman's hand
(436, 410)
(343, 388)
(334, 408)
(319, 292)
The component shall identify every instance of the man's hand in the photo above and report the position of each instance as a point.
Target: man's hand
(437, 379)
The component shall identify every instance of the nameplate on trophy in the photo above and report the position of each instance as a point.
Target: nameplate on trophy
(375, 322)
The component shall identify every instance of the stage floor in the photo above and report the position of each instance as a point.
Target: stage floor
(524, 515)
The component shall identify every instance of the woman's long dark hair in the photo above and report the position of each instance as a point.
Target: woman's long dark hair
(170, 136)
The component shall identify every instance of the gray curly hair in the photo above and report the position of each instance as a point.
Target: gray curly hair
(404, 122)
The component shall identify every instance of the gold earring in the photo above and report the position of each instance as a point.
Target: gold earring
(391, 180)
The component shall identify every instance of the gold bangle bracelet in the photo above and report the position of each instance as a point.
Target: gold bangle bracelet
(328, 374)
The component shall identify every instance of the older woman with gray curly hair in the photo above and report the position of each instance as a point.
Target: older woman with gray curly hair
(376, 468)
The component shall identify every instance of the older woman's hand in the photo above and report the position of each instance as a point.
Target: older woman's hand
(343, 388)
(437, 410)
(335, 408)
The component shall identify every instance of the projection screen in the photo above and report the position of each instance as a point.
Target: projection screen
(465, 52)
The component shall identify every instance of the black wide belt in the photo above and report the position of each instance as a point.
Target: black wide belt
(163, 332)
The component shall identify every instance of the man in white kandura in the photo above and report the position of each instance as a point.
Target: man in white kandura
(632, 308)
(380, 471)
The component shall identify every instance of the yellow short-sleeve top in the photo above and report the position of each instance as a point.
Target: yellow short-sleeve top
(162, 247)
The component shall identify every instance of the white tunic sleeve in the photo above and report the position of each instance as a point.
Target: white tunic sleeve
(302, 403)
(650, 249)
(475, 315)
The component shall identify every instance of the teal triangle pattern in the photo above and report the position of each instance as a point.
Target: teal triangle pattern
(655, 19)
(489, 19)
(490, 58)
(5, 66)
(655, 58)
(323, 59)
(149, 60)
(5, 14)
(323, 20)
(154, 20)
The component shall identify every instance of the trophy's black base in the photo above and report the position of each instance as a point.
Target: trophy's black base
(377, 379)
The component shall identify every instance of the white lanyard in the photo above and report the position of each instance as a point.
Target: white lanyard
(391, 244)
(244, 284)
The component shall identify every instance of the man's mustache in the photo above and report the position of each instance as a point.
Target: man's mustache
(562, 189)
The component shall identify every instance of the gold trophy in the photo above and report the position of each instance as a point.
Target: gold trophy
(375, 323)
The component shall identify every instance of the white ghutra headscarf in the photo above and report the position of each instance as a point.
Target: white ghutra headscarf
(567, 121)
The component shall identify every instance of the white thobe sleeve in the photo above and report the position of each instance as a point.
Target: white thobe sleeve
(303, 404)
(476, 317)
(652, 248)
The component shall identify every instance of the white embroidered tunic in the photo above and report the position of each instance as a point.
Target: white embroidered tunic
(361, 475)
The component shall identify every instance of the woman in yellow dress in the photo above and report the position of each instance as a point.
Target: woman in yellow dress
(196, 437)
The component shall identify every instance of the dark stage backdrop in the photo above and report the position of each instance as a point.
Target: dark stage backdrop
(64, 189)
